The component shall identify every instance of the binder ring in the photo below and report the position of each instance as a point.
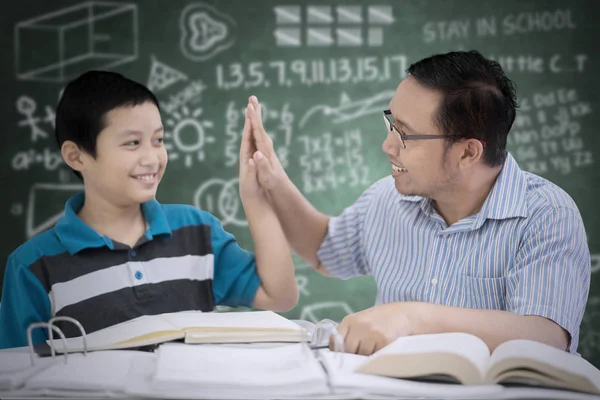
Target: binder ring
(50, 329)
(73, 321)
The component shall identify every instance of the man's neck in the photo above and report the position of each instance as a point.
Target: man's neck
(467, 198)
(125, 224)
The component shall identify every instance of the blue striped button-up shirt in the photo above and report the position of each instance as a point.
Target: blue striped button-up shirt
(525, 251)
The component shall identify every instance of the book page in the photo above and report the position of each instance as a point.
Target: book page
(565, 368)
(466, 346)
(148, 328)
(250, 320)
(243, 367)
(341, 368)
(96, 371)
(16, 368)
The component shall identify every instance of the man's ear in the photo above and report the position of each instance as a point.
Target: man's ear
(73, 156)
(472, 151)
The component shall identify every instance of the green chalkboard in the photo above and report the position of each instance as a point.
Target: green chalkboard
(324, 70)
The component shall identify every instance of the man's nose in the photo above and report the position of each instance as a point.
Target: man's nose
(390, 145)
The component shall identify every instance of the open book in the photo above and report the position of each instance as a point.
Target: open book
(466, 359)
(193, 327)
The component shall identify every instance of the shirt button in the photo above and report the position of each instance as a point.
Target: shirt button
(138, 275)
(132, 253)
(434, 281)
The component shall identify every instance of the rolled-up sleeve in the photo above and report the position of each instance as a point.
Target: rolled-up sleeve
(342, 252)
(552, 273)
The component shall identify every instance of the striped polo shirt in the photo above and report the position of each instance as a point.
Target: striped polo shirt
(184, 261)
(525, 251)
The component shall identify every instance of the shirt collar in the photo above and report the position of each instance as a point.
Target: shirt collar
(507, 199)
(76, 235)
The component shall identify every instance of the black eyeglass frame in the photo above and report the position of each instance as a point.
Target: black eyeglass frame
(403, 137)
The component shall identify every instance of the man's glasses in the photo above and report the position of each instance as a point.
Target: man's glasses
(402, 137)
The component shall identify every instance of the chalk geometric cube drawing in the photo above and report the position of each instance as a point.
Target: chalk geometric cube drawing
(59, 45)
(46, 205)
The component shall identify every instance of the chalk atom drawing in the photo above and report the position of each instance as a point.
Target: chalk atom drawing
(93, 34)
(205, 32)
(220, 198)
(163, 76)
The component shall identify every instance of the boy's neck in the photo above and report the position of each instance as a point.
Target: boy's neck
(125, 224)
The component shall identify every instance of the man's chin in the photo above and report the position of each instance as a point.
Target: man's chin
(405, 191)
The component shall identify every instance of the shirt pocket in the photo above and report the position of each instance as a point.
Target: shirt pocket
(485, 293)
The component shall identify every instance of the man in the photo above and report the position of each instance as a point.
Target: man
(458, 238)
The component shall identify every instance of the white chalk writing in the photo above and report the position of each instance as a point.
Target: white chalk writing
(310, 72)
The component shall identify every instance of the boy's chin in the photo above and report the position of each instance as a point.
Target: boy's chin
(143, 197)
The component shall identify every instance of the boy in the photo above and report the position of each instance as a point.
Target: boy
(117, 253)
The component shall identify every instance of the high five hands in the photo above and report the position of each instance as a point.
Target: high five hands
(260, 169)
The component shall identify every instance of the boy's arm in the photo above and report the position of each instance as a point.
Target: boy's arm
(304, 226)
(278, 290)
(24, 301)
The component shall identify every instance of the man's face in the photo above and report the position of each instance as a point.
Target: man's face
(425, 170)
(130, 156)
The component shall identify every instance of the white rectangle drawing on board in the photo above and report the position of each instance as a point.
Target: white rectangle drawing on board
(349, 36)
(380, 15)
(74, 39)
(287, 15)
(319, 37)
(319, 15)
(288, 37)
(349, 15)
(375, 37)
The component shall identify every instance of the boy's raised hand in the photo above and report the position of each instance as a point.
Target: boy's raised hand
(248, 179)
(263, 159)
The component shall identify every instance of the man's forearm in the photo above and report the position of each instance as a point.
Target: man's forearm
(273, 257)
(304, 226)
(492, 326)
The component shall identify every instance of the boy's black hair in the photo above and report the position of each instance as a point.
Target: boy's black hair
(85, 102)
(479, 100)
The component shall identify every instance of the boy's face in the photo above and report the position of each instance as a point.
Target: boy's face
(130, 156)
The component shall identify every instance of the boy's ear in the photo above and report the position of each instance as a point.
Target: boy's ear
(72, 155)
